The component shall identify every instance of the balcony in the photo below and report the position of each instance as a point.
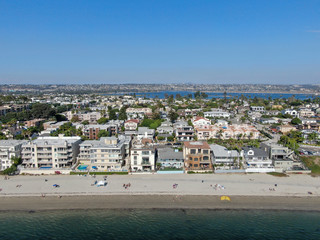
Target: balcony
(145, 163)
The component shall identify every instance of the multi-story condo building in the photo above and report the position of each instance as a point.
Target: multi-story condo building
(92, 131)
(242, 131)
(50, 152)
(92, 117)
(197, 155)
(106, 154)
(8, 150)
(142, 158)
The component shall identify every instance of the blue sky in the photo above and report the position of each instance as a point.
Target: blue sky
(76, 41)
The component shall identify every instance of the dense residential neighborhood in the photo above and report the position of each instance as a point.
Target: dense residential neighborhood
(64, 133)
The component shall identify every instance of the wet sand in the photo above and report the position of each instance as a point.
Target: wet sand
(157, 202)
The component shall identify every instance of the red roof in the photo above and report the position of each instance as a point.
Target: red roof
(132, 120)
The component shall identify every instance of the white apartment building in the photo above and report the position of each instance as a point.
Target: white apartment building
(50, 152)
(237, 131)
(92, 117)
(142, 159)
(306, 113)
(138, 112)
(106, 154)
(257, 108)
(201, 122)
(9, 149)
(217, 113)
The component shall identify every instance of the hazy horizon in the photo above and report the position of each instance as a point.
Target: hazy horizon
(159, 42)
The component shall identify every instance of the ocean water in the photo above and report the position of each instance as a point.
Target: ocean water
(221, 95)
(160, 224)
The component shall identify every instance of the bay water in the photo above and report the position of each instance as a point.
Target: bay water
(160, 224)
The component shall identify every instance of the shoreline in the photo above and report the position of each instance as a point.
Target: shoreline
(195, 202)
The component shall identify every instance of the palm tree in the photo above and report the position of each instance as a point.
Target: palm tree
(219, 134)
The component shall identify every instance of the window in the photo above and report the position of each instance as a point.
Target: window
(205, 151)
(190, 158)
(205, 158)
(135, 157)
(199, 150)
(145, 152)
(193, 151)
(195, 159)
(196, 165)
(135, 162)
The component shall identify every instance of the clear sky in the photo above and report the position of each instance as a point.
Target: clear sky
(174, 41)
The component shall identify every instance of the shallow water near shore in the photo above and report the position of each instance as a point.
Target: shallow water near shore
(160, 224)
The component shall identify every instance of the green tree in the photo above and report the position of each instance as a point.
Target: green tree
(296, 121)
(103, 133)
(123, 113)
(42, 110)
(112, 114)
(86, 122)
(173, 115)
(102, 120)
(75, 118)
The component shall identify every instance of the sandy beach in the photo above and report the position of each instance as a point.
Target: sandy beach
(247, 191)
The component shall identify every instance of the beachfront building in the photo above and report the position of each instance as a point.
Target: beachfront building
(106, 154)
(256, 160)
(282, 157)
(8, 150)
(197, 155)
(170, 158)
(224, 158)
(50, 152)
(142, 158)
(216, 113)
